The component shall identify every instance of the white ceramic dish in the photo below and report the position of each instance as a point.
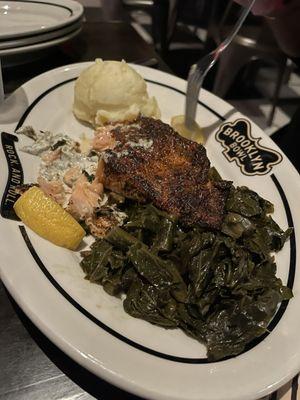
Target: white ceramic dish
(39, 38)
(91, 326)
(19, 18)
(40, 46)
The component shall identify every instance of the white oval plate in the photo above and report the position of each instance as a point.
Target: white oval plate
(91, 326)
(38, 38)
(19, 18)
(43, 45)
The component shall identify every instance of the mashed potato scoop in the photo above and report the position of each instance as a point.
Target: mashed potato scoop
(112, 91)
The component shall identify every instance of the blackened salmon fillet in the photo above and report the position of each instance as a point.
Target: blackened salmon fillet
(151, 162)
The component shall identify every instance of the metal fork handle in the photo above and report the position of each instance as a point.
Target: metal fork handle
(236, 27)
(199, 70)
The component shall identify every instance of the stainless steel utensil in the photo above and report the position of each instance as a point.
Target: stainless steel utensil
(199, 70)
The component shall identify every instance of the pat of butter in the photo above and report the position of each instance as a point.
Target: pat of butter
(195, 134)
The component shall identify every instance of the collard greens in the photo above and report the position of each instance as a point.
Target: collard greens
(220, 287)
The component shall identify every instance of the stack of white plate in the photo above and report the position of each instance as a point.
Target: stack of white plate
(31, 25)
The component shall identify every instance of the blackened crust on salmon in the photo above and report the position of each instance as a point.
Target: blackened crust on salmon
(151, 162)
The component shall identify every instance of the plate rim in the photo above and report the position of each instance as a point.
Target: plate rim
(41, 37)
(76, 8)
(40, 46)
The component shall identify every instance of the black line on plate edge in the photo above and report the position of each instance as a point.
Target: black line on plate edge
(169, 357)
(181, 92)
(94, 319)
(38, 99)
(32, 105)
(186, 360)
(290, 222)
(292, 267)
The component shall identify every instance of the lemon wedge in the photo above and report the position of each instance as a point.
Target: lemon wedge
(195, 134)
(48, 219)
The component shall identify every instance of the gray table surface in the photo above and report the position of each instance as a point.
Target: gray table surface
(26, 371)
(33, 368)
